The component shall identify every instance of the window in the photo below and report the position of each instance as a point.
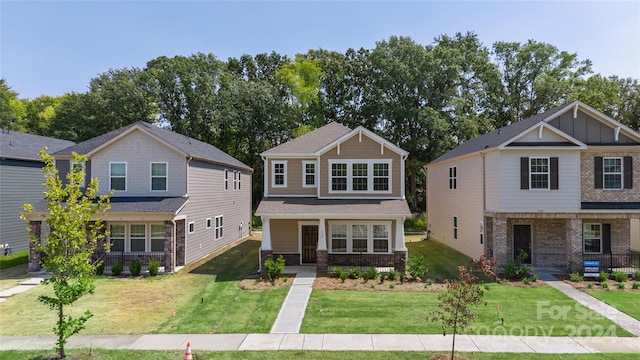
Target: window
(138, 237)
(339, 177)
(192, 227)
(116, 237)
(239, 182)
(159, 176)
(592, 237)
(539, 173)
(360, 176)
(612, 172)
(380, 177)
(309, 174)
(226, 179)
(218, 227)
(360, 237)
(279, 170)
(80, 165)
(455, 227)
(208, 223)
(235, 180)
(453, 177)
(157, 237)
(118, 176)
(339, 238)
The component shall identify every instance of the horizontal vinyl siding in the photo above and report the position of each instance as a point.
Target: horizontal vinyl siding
(139, 150)
(465, 202)
(18, 185)
(565, 199)
(208, 199)
(492, 180)
(294, 179)
(284, 235)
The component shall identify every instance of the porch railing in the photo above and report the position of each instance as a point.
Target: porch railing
(627, 263)
(111, 258)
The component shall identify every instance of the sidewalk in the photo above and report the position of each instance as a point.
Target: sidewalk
(24, 286)
(332, 342)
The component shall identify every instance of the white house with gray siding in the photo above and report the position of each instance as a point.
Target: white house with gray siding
(21, 179)
(175, 199)
(562, 186)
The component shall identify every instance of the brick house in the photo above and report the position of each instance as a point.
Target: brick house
(563, 186)
(334, 197)
(175, 199)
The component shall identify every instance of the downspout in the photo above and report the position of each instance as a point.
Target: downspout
(265, 177)
(402, 177)
(484, 188)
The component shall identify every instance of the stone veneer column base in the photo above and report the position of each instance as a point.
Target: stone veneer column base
(34, 256)
(322, 260)
(399, 260)
(264, 256)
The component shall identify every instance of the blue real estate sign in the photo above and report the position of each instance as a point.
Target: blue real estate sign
(591, 268)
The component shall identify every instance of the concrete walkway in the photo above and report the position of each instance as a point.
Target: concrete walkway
(24, 286)
(623, 320)
(294, 306)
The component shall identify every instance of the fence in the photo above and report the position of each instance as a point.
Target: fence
(627, 263)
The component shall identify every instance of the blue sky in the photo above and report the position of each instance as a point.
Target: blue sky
(54, 47)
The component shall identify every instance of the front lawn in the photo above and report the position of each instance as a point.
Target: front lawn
(442, 260)
(203, 298)
(627, 301)
(535, 311)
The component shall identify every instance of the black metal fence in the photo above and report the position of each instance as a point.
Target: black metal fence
(111, 258)
(627, 263)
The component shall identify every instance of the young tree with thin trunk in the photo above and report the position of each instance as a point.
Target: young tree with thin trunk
(76, 230)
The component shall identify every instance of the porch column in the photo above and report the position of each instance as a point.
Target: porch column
(322, 254)
(35, 233)
(500, 242)
(169, 247)
(574, 244)
(400, 252)
(266, 252)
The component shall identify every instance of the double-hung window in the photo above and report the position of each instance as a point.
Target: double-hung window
(117, 236)
(360, 176)
(157, 237)
(380, 177)
(360, 237)
(309, 174)
(339, 177)
(339, 238)
(612, 172)
(159, 176)
(592, 238)
(118, 176)
(539, 173)
(82, 166)
(138, 237)
(453, 177)
(226, 179)
(219, 226)
(279, 174)
(380, 238)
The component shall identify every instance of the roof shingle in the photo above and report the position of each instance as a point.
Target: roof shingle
(311, 142)
(334, 207)
(23, 146)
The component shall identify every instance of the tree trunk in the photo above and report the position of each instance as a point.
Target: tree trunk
(61, 331)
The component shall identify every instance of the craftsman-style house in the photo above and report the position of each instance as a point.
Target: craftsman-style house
(334, 197)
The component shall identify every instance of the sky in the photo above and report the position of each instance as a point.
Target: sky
(57, 47)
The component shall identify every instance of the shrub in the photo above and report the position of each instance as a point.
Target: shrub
(383, 275)
(402, 275)
(590, 286)
(338, 271)
(429, 282)
(415, 267)
(619, 276)
(274, 268)
(14, 259)
(416, 223)
(526, 281)
(534, 278)
(392, 286)
(576, 277)
(602, 277)
(100, 268)
(135, 267)
(355, 273)
(117, 268)
(604, 285)
(636, 275)
(516, 268)
(621, 285)
(635, 285)
(392, 274)
(153, 267)
(370, 274)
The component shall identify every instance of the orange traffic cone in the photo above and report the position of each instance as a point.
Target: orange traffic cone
(187, 354)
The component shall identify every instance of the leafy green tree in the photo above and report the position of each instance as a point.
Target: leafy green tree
(76, 231)
(12, 110)
(40, 113)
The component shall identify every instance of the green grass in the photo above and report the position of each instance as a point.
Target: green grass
(627, 301)
(13, 276)
(14, 259)
(391, 312)
(442, 260)
(98, 354)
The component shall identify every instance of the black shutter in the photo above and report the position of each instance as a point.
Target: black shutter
(606, 238)
(597, 172)
(628, 172)
(554, 173)
(524, 173)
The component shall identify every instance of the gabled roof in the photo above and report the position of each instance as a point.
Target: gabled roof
(169, 205)
(187, 146)
(23, 146)
(311, 142)
(359, 131)
(507, 134)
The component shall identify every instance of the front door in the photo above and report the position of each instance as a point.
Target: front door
(522, 241)
(309, 243)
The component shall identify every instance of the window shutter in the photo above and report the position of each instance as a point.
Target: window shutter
(628, 172)
(524, 173)
(597, 172)
(554, 173)
(606, 238)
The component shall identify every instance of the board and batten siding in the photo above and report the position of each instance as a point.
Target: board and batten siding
(565, 199)
(208, 199)
(20, 183)
(139, 150)
(465, 202)
(293, 178)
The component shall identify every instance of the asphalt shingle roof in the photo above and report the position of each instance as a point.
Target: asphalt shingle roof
(311, 142)
(135, 205)
(190, 146)
(23, 146)
(339, 207)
